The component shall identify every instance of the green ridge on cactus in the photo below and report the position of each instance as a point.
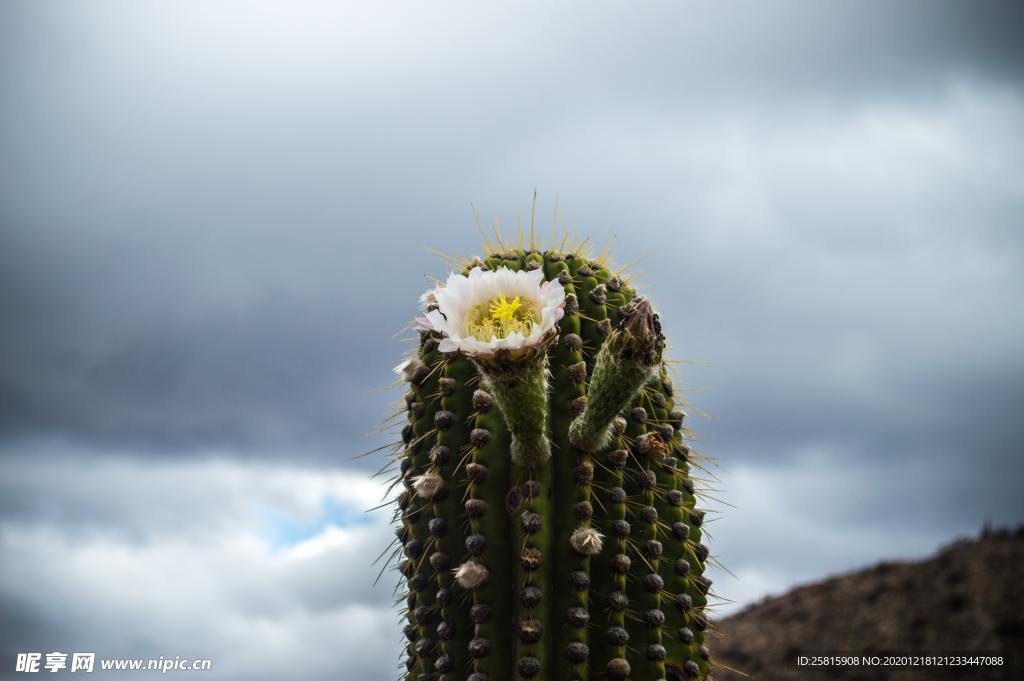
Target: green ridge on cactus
(585, 565)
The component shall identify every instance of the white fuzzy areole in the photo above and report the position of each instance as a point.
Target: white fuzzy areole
(587, 541)
(407, 369)
(471, 575)
(427, 485)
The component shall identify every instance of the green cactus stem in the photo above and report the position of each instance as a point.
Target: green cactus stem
(627, 360)
(549, 523)
(520, 389)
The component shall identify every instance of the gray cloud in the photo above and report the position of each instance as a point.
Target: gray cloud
(181, 558)
(212, 219)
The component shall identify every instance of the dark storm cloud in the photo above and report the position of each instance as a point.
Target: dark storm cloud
(207, 245)
(210, 224)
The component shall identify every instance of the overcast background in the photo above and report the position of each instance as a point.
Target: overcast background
(213, 217)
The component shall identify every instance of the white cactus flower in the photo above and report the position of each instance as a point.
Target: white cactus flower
(494, 310)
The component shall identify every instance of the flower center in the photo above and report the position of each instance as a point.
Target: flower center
(500, 317)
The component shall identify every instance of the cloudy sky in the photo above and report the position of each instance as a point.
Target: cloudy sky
(212, 220)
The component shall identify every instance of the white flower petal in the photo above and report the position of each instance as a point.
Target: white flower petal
(460, 294)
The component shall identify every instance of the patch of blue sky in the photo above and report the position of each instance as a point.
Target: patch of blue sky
(284, 530)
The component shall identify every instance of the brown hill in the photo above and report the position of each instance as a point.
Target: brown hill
(967, 600)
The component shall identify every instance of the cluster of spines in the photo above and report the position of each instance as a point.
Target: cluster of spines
(488, 472)
(573, 472)
(447, 528)
(421, 562)
(530, 504)
(608, 577)
(632, 610)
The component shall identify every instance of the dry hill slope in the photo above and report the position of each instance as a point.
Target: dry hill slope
(967, 599)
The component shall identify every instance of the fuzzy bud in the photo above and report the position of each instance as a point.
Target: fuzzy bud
(471, 575)
(428, 486)
(408, 369)
(587, 541)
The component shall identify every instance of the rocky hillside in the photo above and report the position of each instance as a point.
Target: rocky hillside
(969, 599)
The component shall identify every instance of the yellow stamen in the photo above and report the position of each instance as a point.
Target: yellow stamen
(501, 317)
(504, 311)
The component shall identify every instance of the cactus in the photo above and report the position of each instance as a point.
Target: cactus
(547, 521)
